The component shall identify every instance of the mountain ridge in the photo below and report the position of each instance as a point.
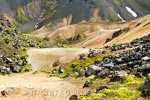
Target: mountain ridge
(43, 12)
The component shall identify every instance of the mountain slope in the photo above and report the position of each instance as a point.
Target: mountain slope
(89, 34)
(37, 13)
(25, 13)
(113, 10)
(137, 29)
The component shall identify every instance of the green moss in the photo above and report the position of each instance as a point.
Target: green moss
(21, 53)
(36, 72)
(87, 78)
(25, 67)
(126, 90)
(122, 92)
(114, 18)
(6, 49)
(20, 17)
(92, 96)
(133, 80)
(116, 2)
(29, 32)
(79, 64)
(91, 77)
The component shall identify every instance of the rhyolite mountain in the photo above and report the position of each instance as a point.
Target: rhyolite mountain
(40, 12)
(113, 10)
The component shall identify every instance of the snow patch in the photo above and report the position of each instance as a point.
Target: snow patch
(120, 16)
(131, 11)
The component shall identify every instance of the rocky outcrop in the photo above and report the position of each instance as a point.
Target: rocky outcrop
(119, 66)
(134, 60)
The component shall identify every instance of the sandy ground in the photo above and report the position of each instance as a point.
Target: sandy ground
(40, 87)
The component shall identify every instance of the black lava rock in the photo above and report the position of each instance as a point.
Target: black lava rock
(87, 83)
(73, 97)
(101, 87)
(146, 86)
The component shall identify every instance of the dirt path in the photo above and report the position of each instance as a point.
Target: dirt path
(39, 87)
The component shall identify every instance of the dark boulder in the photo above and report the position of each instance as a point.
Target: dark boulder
(24, 62)
(73, 97)
(131, 64)
(90, 72)
(119, 61)
(61, 70)
(109, 65)
(8, 60)
(92, 53)
(146, 86)
(96, 62)
(119, 75)
(145, 69)
(3, 69)
(101, 87)
(103, 52)
(104, 73)
(82, 56)
(16, 69)
(106, 60)
(146, 58)
(87, 83)
(28, 70)
(116, 68)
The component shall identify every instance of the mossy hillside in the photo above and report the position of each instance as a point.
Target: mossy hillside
(120, 90)
(14, 45)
